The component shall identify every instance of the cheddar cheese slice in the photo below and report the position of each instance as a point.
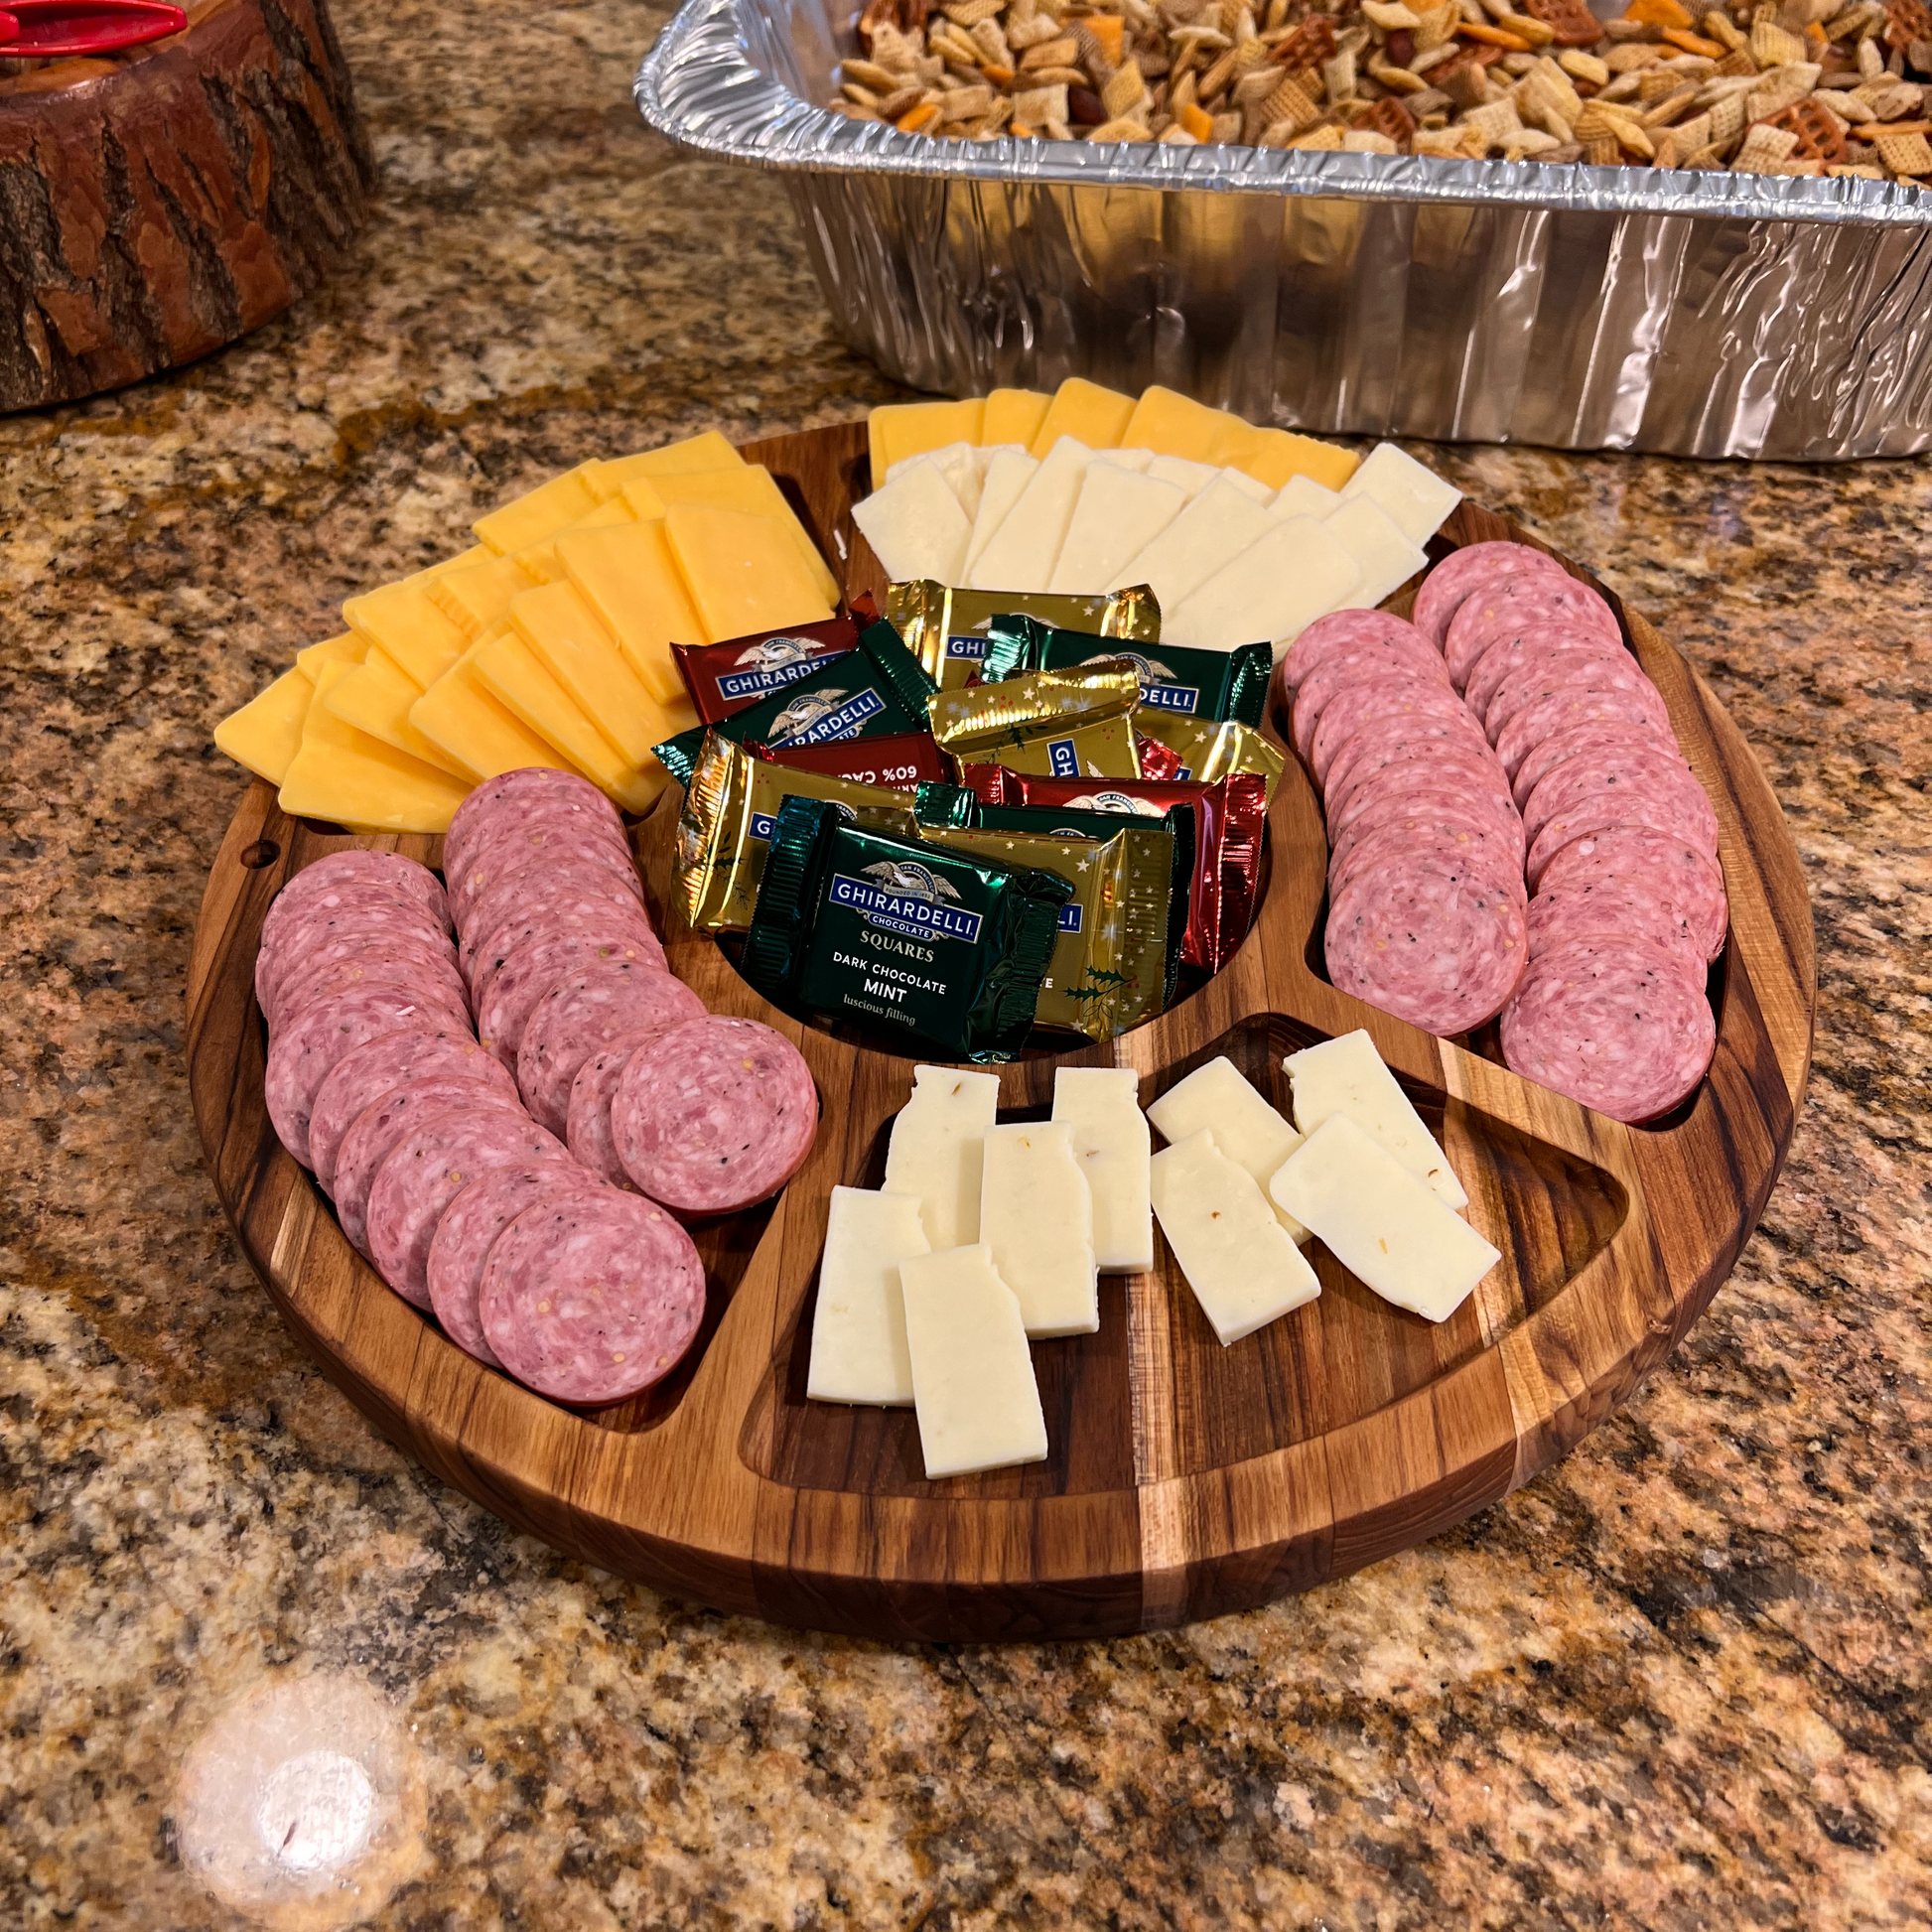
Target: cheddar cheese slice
(559, 624)
(467, 723)
(1013, 416)
(711, 451)
(345, 775)
(1086, 412)
(539, 562)
(477, 597)
(375, 696)
(742, 572)
(266, 731)
(630, 577)
(1171, 424)
(345, 650)
(902, 429)
(754, 490)
(1278, 453)
(540, 512)
(400, 618)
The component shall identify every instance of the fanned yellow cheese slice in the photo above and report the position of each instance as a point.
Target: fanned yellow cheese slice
(1014, 416)
(345, 775)
(400, 618)
(709, 451)
(477, 597)
(266, 731)
(540, 512)
(1171, 424)
(558, 624)
(375, 696)
(1278, 453)
(631, 580)
(471, 725)
(477, 553)
(752, 489)
(742, 572)
(539, 562)
(1086, 412)
(345, 650)
(897, 429)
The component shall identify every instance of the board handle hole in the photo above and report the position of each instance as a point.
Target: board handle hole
(263, 853)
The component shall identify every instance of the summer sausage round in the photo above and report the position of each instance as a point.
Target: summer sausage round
(502, 796)
(1467, 572)
(1686, 879)
(587, 1130)
(581, 1014)
(508, 996)
(1340, 631)
(382, 1064)
(355, 866)
(1508, 604)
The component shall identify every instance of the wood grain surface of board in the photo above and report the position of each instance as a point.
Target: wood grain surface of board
(1183, 1479)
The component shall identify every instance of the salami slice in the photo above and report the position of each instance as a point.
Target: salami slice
(1508, 604)
(593, 1298)
(412, 882)
(380, 1066)
(1687, 882)
(1389, 703)
(364, 911)
(1623, 766)
(1436, 790)
(714, 1115)
(302, 1056)
(1580, 704)
(1446, 740)
(469, 1230)
(1677, 806)
(373, 1133)
(1467, 570)
(1611, 910)
(1615, 1024)
(500, 886)
(500, 799)
(1593, 737)
(587, 1130)
(1524, 651)
(1340, 631)
(1429, 938)
(1579, 667)
(1489, 848)
(1349, 665)
(427, 1169)
(276, 972)
(377, 962)
(561, 895)
(506, 996)
(515, 850)
(584, 1012)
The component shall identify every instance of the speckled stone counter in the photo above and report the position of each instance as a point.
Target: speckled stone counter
(1680, 1681)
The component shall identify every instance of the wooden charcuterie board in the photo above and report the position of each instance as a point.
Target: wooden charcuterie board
(1183, 1479)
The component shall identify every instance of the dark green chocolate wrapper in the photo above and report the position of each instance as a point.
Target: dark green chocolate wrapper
(872, 690)
(945, 948)
(1216, 686)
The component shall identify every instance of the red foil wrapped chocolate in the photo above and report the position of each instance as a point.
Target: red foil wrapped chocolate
(731, 676)
(900, 759)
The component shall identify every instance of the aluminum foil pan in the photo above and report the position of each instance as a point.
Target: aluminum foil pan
(1693, 313)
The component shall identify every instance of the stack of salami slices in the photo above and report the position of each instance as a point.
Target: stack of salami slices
(1426, 911)
(1621, 840)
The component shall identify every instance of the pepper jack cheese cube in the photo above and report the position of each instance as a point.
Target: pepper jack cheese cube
(916, 524)
(1414, 497)
(1218, 1099)
(1346, 1075)
(540, 512)
(1272, 591)
(742, 572)
(266, 731)
(753, 488)
(343, 774)
(375, 697)
(858, 1351)
(973, 1385)
(1037, 1216)
(1381, 1221)
(401, 619)
(561, 628)
(1025, 548)
(1240, 1261)
(709, 451)
(1101, 1108)
(1013, 416)
(1088, 413)
(936, 1150)
(898, 430)
(630, 577)
(471, 724)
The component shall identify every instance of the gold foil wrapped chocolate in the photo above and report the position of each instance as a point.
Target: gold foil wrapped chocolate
(946, 628)
(1073, 724)
(1208, 751)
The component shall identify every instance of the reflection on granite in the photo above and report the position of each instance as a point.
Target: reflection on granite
(1679, 1681)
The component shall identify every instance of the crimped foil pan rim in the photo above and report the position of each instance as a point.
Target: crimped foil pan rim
(699, 88)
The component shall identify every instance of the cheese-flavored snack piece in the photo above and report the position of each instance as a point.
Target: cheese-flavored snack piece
(340, 774)
(1217, 1099)
(936, 1150)
(1346, 1075)
(1304, 497)
(1383, 1223)
(1006, 476)
(916, 524)
(540, 512)
(630, 577)
(1093, 415)
(1014, 416)
(743, 571)
(1037, 1216)
(1292, 574)
(1415, 499)
(1119, 513)
(1215, 529)
(973, 1385)
(1237, 1257)
(265, 734)
(858, 1351)
(1025, 548)
(1382, 553)
(1101, 1109)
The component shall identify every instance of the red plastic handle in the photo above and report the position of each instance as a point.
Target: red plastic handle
(49, 29)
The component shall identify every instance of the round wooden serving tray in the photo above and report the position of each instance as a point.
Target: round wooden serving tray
(1184, 1479)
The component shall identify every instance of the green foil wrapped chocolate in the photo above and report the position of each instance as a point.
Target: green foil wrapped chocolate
(1057, 723)
(947, 630)
(948, 948)
(1217, 686)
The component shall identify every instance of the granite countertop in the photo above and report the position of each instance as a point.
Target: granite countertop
(1679, 1680)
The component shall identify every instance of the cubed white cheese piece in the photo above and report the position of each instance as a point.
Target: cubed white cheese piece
(973, 1384)
(858, 1351)
(1119, 513)
(959, 463)
(935, 1149)
(1037, 1215)
(1239, 1260)
(1304, 497)
(1025, 548)
(915, 523)
(1385, 557)
(1191, 477)
(1215, 529)
(1010, 471)
(1415, 498)
(1219, 1099)
(1251, 487)
(1277, 586)
(1346, 1075)
(1383, 1224)
(1101, 1107)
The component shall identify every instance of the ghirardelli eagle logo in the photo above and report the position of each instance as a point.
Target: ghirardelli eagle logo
(1150, 668)
(1116, 801)
(772, 653)
(804, 711)
(909, 877)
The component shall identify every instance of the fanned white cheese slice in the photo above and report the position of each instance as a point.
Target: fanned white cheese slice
(1381, 1222)
(935, 1149)
(915, 524)
(1384, 556)
(1025, 548)
(1119, 513)
(1304, 497)
(959, 463)
(1218, 1099)
(1415, 498)
(1101, 1106)
(1346, 1075)
(1273, 590)
(1209, 533)
(858, 1351)
(1184, 474)
(1251, 487)
(1135, 459)
(1006, 476)
(1037, 1215)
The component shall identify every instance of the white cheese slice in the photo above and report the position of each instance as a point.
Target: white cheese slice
(1135, 459)
(858, 1351)
(959, 463)
(1276, 588)
(1415, 498)
(973, 1384)
(1250, 486)
(1385, 557)
(915, 524)
(1037, 1215)
(1026, 546)
(1218, 1099)
(1191, 477)
(1382, 1223)
(1238, 1259)
(936, 1149)
(1346, 1075)
(1304, 497)
(1006, 476)
(1119, 513)
(1215, 529)
(1101, 1106)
